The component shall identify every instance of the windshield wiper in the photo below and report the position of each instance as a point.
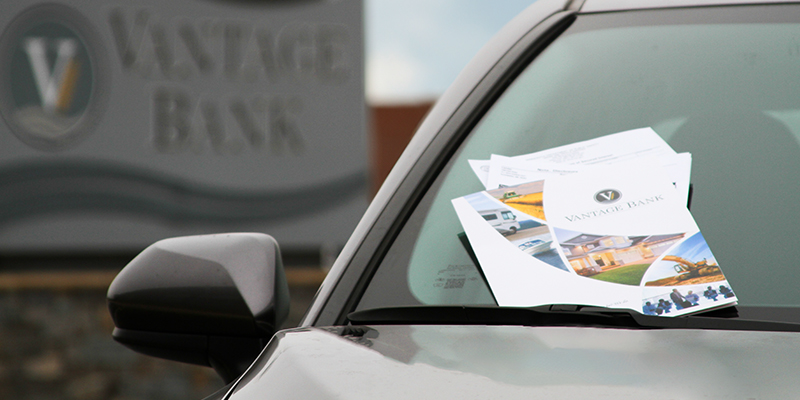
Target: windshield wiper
(561, 315)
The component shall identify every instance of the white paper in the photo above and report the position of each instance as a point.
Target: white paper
(619, 237)
(618, 147)
(481, 170)
(510, 171)
(609, 149)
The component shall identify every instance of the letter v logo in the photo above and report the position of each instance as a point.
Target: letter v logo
(607, 196)
(56, 86)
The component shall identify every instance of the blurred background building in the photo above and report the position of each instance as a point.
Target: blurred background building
(125, 123)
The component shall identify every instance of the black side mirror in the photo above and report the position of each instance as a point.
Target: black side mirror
(212, 300)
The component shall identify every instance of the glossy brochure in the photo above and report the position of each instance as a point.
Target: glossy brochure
(609, 236)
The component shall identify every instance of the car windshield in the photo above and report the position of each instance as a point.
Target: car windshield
(721, 83)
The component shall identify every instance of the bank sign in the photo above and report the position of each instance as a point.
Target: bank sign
(127, 122)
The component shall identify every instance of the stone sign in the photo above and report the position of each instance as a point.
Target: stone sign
(127, 122)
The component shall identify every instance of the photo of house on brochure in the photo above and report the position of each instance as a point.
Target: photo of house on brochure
(609, 236)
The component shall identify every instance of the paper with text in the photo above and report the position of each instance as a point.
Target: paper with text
(608, 236)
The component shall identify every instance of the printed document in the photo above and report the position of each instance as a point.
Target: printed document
(614, 235)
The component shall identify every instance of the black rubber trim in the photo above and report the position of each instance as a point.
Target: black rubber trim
(563, 315)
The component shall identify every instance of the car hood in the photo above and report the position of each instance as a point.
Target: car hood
(479, 362)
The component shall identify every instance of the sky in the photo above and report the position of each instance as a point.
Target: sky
(416, 48)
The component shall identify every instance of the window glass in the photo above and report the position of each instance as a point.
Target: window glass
(727, 91)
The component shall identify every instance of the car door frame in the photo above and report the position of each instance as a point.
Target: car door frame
(445, 133)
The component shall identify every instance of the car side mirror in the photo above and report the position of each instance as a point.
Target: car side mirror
(212, 300)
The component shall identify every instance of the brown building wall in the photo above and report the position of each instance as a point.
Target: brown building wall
(391, 129)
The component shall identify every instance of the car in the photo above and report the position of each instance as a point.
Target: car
(535, 246)
(405, 311)
(504, 221)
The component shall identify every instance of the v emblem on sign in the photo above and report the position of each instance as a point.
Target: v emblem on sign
(57, 86)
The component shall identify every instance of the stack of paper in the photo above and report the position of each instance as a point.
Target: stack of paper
(601, 222)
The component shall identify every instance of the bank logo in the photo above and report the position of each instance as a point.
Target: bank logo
(50, 85)
(56, 85)
(607, 196)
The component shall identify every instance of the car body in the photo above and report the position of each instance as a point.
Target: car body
(405, 313)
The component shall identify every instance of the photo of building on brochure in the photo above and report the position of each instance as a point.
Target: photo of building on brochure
(613, 258)
(530, 235)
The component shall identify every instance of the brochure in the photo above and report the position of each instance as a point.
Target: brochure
(609, 235)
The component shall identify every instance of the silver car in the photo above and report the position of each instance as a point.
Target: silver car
(405, 312)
